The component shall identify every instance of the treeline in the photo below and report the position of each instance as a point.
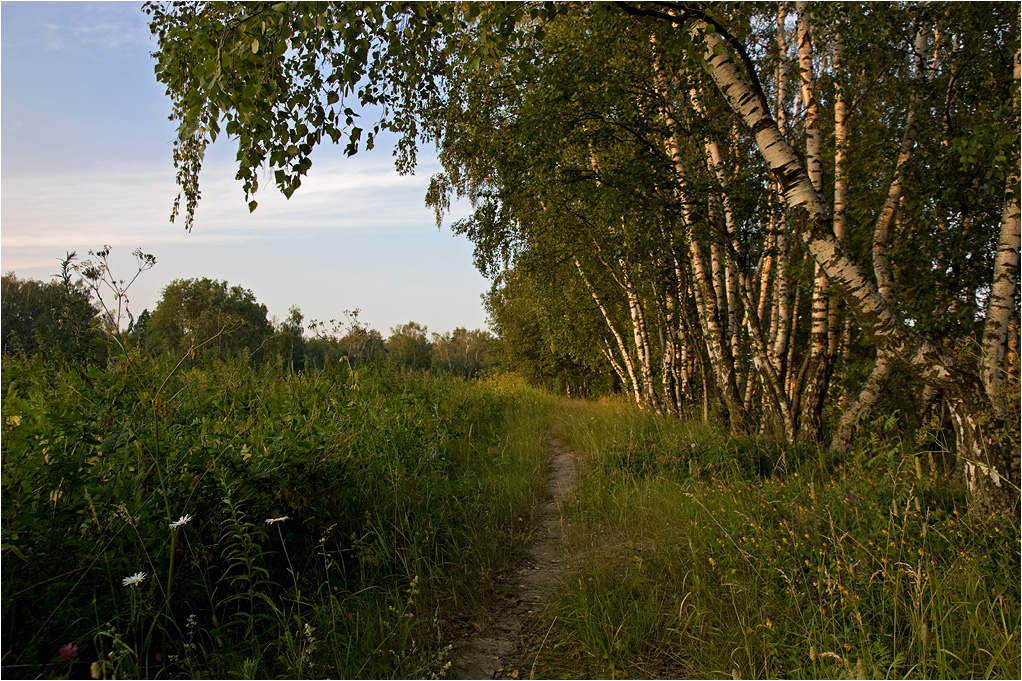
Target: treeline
(197, 319)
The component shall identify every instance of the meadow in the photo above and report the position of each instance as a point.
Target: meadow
(220, 519)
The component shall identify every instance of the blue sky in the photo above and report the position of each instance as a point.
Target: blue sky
(85, 160)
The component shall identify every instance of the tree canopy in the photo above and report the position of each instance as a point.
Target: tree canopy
(207, 316)
(55, 317)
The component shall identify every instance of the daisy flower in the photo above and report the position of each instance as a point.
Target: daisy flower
(270, 521)
(183, 520)
(134, 580)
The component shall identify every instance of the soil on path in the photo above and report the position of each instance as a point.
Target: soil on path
(486, 649)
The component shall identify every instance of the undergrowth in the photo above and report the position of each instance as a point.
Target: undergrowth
(224, 521)
(692, 554)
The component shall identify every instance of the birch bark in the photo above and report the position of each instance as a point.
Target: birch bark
(991, 470)
(813, 387)
(883, 368)
(1003, 301)
(626, 357)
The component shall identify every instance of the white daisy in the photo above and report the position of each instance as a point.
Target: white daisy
(183, 520)
(135, 579)
(270, 521)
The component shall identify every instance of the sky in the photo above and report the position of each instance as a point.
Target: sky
(86, 160)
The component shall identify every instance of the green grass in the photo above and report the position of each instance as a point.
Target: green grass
(404, 494)
(692, 554)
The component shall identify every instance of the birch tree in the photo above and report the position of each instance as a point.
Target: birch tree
(687, 259)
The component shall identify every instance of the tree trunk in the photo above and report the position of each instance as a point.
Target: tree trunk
(782, 331)
(840, 182)
(641, 338)
(813, 386)
(868, 395)
(1003, 301)
(993, 479)
(710, 319)
(626, 357)
(881, 263)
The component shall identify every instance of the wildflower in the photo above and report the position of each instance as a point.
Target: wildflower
(270, 521)
(183, 520)
(69, 651)
(769, 621)
(134, 580)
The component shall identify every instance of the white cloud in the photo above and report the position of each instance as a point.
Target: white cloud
(44, 215)
(91, 26)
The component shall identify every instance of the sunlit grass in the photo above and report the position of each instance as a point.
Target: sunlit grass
(696, 555)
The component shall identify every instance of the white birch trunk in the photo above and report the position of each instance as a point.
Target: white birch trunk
(1003, 301)
(994, 473)
(721, 360)
(840, 181)
(626, 358)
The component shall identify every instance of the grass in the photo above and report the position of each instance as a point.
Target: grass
(402, 494)
(397, 498)
(696, 555)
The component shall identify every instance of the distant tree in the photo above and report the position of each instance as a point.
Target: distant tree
(409, 347)
(49, 317)
(289, 339)
(362, 344)
(549, 339)
(461, 351)
(206, 316)
(138, 333)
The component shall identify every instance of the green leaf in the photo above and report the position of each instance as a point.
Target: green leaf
(255, 46)
(252, 206)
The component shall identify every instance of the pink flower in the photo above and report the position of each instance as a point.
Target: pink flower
(69, 651)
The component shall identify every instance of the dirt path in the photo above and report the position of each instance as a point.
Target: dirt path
(487, 652)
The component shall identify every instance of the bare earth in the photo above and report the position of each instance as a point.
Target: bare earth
(488, 648)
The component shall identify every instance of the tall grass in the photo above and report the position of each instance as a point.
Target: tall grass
(325, 524)
(696, 555)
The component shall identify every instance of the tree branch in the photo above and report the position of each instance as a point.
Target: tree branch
(686, 11)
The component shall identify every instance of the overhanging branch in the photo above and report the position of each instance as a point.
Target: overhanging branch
(685, 11)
